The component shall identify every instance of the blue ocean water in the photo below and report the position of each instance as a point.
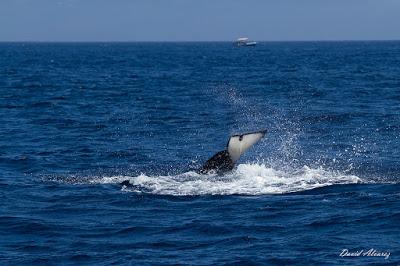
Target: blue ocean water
(76, 119)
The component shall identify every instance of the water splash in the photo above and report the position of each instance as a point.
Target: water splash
(282, 146)
(247, 179)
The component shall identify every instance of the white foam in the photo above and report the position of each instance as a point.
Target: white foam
(247, 179)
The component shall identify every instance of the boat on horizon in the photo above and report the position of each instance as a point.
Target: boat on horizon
(243, 41)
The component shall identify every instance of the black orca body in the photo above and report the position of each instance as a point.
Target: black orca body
(221, 162)
(125, 183)
(225, 160)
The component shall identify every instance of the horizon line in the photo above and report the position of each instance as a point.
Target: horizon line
(194, 41)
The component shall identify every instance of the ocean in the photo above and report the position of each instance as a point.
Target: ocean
(321, 188)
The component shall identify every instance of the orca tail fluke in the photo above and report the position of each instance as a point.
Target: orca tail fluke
(225, 160)
(240, 143)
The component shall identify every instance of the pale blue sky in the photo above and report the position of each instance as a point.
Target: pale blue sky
(198, 20)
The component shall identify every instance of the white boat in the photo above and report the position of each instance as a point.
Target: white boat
(244, 42)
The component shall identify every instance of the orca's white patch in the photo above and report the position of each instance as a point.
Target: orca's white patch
(238, 144)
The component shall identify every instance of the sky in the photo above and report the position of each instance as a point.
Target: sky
(198, 20)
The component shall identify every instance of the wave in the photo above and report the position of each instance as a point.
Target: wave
(247, 179)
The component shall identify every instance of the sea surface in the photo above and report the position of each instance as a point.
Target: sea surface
(77, 119)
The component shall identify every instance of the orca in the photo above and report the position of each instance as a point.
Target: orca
(225, 160)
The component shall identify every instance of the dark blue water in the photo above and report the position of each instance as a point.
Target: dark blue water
(78, 119)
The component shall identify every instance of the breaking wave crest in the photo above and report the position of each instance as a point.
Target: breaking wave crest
(247, 179)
